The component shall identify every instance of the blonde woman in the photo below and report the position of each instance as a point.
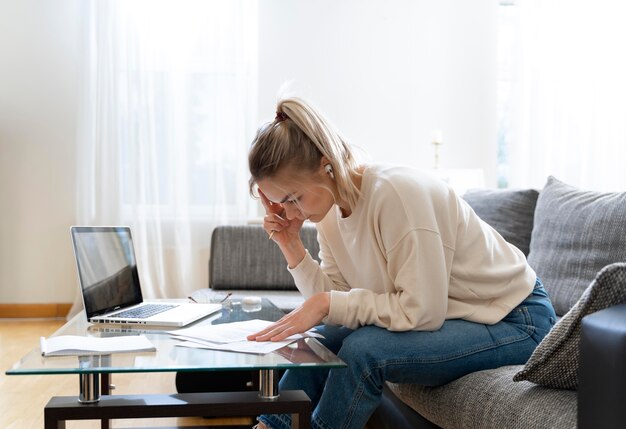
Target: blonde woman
(413, 287)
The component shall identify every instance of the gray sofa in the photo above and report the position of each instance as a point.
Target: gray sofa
(576, 242)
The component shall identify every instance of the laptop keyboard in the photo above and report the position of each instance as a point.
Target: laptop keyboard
(144, 311)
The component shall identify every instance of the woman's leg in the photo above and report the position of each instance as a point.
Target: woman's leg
(311, 380)
(375, 355)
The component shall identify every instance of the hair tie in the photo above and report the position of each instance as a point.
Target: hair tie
(280, 116)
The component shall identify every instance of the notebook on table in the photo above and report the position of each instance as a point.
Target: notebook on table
(110, 286)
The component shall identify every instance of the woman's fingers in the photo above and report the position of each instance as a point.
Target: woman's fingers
(296, 322)
(270, 207)
(267, 333)
(278, 333)
(282, 334)
(265, 201)
(254, 337)
(275, 219)
(272, 330)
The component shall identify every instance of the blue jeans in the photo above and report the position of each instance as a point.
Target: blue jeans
(346, 397)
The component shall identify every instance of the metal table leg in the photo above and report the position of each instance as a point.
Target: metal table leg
(89, 383)
(89, 392)
(268, 384)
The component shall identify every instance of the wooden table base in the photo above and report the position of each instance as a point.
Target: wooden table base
(214, 404)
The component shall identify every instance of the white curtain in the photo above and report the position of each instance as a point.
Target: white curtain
(167, 116)
(569, 95)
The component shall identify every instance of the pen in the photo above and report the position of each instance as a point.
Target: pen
(226, 297)
(271, 234)
(191, 299)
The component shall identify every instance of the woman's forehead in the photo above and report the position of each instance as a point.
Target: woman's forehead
(279, 188)
(277, 191)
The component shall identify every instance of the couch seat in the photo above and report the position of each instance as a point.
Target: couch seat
(490, 399)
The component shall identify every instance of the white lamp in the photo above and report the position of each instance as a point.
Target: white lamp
(460, 179)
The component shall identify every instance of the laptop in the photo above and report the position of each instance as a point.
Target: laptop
(109, 282)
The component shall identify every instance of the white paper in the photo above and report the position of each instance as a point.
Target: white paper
(231, 332)
(233, 337)
(73, 345)
(255, 347)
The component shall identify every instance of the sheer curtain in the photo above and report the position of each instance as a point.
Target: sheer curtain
(570, 94)
(168, 113)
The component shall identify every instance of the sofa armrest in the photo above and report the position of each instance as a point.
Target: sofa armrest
(602, 371)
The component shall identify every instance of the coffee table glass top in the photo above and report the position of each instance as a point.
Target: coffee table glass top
(169, 357)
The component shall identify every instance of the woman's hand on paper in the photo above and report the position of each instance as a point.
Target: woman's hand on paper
(300, 320)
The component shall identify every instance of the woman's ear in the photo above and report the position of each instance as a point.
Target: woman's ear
(327, 167)
(329, 170)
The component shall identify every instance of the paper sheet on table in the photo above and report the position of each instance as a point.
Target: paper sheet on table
(255, 347)
(233, 332)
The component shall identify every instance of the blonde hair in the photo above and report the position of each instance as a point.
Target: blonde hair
(296, 140)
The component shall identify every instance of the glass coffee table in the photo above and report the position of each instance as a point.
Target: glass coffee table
(94, 399)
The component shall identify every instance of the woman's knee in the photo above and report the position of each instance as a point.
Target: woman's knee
(361, 346)
(333, 336)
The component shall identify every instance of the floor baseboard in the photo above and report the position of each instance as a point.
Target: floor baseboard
(22, 311)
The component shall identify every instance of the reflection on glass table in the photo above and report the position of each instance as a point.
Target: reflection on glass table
(171, 358)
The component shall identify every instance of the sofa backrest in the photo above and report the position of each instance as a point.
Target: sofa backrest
(242, 257)
(568, 234)
(508, 211)
(576, 233)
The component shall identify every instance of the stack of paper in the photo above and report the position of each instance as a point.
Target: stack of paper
(232, 337)
(73, 345)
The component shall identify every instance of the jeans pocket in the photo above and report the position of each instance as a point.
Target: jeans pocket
(522, 319)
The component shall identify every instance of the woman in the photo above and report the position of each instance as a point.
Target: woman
(412, 286)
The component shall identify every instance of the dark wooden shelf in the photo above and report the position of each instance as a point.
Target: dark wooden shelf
(213, 404)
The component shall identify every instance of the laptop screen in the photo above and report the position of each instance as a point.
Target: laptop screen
(107, 269)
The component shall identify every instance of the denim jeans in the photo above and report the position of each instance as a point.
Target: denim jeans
(346, 397)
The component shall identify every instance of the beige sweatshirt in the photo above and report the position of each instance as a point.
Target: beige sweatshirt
(411, 255)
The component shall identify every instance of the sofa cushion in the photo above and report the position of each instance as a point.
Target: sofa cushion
(555, 361)
(576, 233)
(488, 399)
(510, 212)
(243, 258)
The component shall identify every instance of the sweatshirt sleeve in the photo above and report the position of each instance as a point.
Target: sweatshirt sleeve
(419, 301)
(311, 278)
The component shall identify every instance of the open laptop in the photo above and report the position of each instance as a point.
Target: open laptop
(109, 282)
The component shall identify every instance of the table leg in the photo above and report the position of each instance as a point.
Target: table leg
(89, 388)
(268, 384)
(105, 389)
(51, 422)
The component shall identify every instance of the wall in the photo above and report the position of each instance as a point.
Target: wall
(37, 146)
(388, 73)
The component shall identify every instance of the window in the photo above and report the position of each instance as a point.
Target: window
(507, 47)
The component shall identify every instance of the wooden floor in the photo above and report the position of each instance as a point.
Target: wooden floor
(22, 398)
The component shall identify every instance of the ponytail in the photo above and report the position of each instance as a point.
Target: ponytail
(298, 138)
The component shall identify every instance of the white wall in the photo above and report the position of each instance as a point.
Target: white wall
(388, 73)
(385, 72)
(37, 145)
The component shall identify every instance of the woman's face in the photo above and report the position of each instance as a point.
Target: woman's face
(300, 199)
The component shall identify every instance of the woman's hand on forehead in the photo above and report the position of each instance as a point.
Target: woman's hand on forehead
(270, 206)
(277, 226)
